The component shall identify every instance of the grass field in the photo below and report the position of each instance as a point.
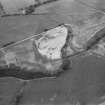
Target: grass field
(85, 81)
(17, 28)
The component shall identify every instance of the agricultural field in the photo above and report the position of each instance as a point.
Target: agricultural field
(83, 81)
